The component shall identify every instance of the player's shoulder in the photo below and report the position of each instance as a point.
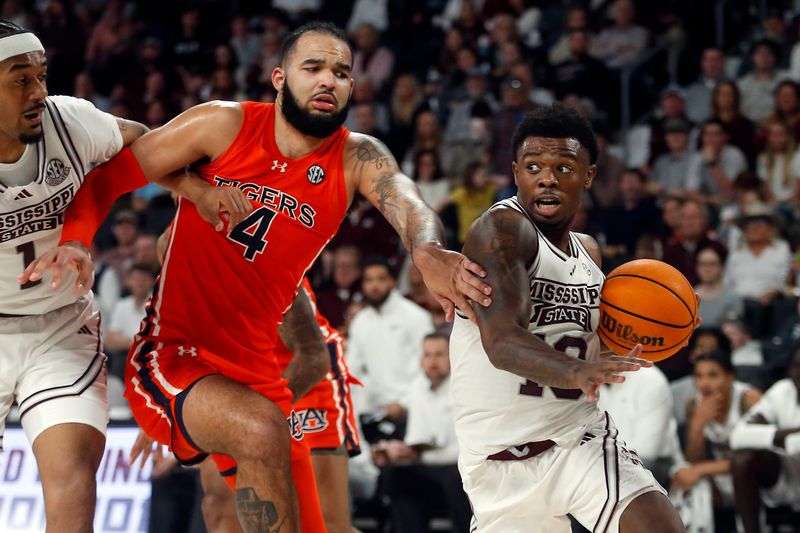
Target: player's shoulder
(504, 219)
(220, 110)
(591, 245)
(69, 107)
(365, 147)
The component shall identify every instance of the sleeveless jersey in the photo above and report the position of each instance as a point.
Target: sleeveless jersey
(36, 190)
(329, 334)
(227, 293)
(496, 409)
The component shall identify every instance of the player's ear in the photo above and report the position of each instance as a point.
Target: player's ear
(278, 78)
(514, 172)
(591, 172)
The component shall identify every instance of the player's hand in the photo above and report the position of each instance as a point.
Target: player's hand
(452, 279)
(687, 477)
(709, 407)
(70, 255)
(223, 205)
(145, 447)
(591, 374)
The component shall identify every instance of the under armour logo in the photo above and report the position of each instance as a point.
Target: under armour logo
(277, 165)
(517, 452)
(192, 350)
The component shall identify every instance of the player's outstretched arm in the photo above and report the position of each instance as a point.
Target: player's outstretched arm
(451, 277)
(300, 333)
(505, 243)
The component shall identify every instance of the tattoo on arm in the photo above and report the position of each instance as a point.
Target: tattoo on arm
(257, 515)
(300, 333)
(505, 243)
(394, 194)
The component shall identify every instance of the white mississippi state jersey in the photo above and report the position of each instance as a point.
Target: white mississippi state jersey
(35, 192)
(496, 409)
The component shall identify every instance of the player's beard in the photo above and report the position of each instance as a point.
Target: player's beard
(31, 138)
(319, 126)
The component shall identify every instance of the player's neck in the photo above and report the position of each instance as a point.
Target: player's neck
(10, 149)
(290, 141)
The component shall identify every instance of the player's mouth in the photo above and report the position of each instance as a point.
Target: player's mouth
(34, 116)
(324, 102)
(547, 205)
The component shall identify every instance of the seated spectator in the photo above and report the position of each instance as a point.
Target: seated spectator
(405, 101)
(623, 43)
(433, 186)
(779, 165)
(127, 315)
(636, 214)
(473, 197)
(671, 209)
(711, 415)
(745, 351)
(370, 60)
(383, 351)
(698, 94)
(692, 235)
(714, 167)
(673, 106)
(757, 87)
(681, 366)
(717, 302)
(577, 19)
(605, 186)
(766, 458)
(787, 108)
(725, 106)
(758, 269)
(334, 299)
(515, 103)
(420, 472)
(670, 170)
(582, 74)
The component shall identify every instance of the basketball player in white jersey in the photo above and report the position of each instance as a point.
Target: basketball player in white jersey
(533, 445)
(51, 360)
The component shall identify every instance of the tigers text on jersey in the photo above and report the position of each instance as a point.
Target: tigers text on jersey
(35, 192)
(496, 409)
(227, 293)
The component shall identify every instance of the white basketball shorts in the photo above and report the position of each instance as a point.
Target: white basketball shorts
(594, 481)
(53, 366)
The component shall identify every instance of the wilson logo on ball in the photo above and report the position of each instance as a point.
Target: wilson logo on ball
(625, 332)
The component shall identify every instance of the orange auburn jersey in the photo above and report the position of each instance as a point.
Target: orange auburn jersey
(227, 293)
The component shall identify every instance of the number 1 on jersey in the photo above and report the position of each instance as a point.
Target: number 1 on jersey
(252, 232)
(28, 251)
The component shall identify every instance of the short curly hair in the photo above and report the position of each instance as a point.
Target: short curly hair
(556, 122)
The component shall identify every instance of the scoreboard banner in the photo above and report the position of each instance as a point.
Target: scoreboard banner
(123, 492)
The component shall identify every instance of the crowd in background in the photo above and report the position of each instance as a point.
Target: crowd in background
(707, 179)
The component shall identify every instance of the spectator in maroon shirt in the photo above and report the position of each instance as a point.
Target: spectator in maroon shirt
(692, 235)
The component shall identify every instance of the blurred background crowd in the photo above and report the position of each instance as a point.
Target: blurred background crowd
(696, 106)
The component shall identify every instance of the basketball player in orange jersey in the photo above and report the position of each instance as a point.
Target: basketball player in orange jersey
(534, 447)
(201, 376)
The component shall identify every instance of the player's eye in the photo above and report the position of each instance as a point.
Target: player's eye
(534, 167)
(564, 169)
(21, 81)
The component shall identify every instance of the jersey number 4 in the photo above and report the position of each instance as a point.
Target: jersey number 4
(531, 388)
(252, 232)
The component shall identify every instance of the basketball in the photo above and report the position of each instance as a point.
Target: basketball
(647, 302)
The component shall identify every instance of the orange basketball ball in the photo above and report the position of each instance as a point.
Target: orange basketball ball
(647, 302)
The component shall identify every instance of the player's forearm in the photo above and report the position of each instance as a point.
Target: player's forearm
(713, 468)
(300, 332)
(518, 351)
(695, 443)
(185, 184)
(413, 220)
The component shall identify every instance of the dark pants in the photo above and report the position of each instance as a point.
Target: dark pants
(175, 503)
(418, 492)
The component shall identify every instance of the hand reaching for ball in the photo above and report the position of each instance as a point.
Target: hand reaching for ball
(590, 375)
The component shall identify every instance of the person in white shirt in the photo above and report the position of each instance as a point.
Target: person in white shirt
(757, 270)
(713, 168)
(766, 462)
(778, 165)
(422, 475)
(641, 407)
(383, 350)
(127, 315)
